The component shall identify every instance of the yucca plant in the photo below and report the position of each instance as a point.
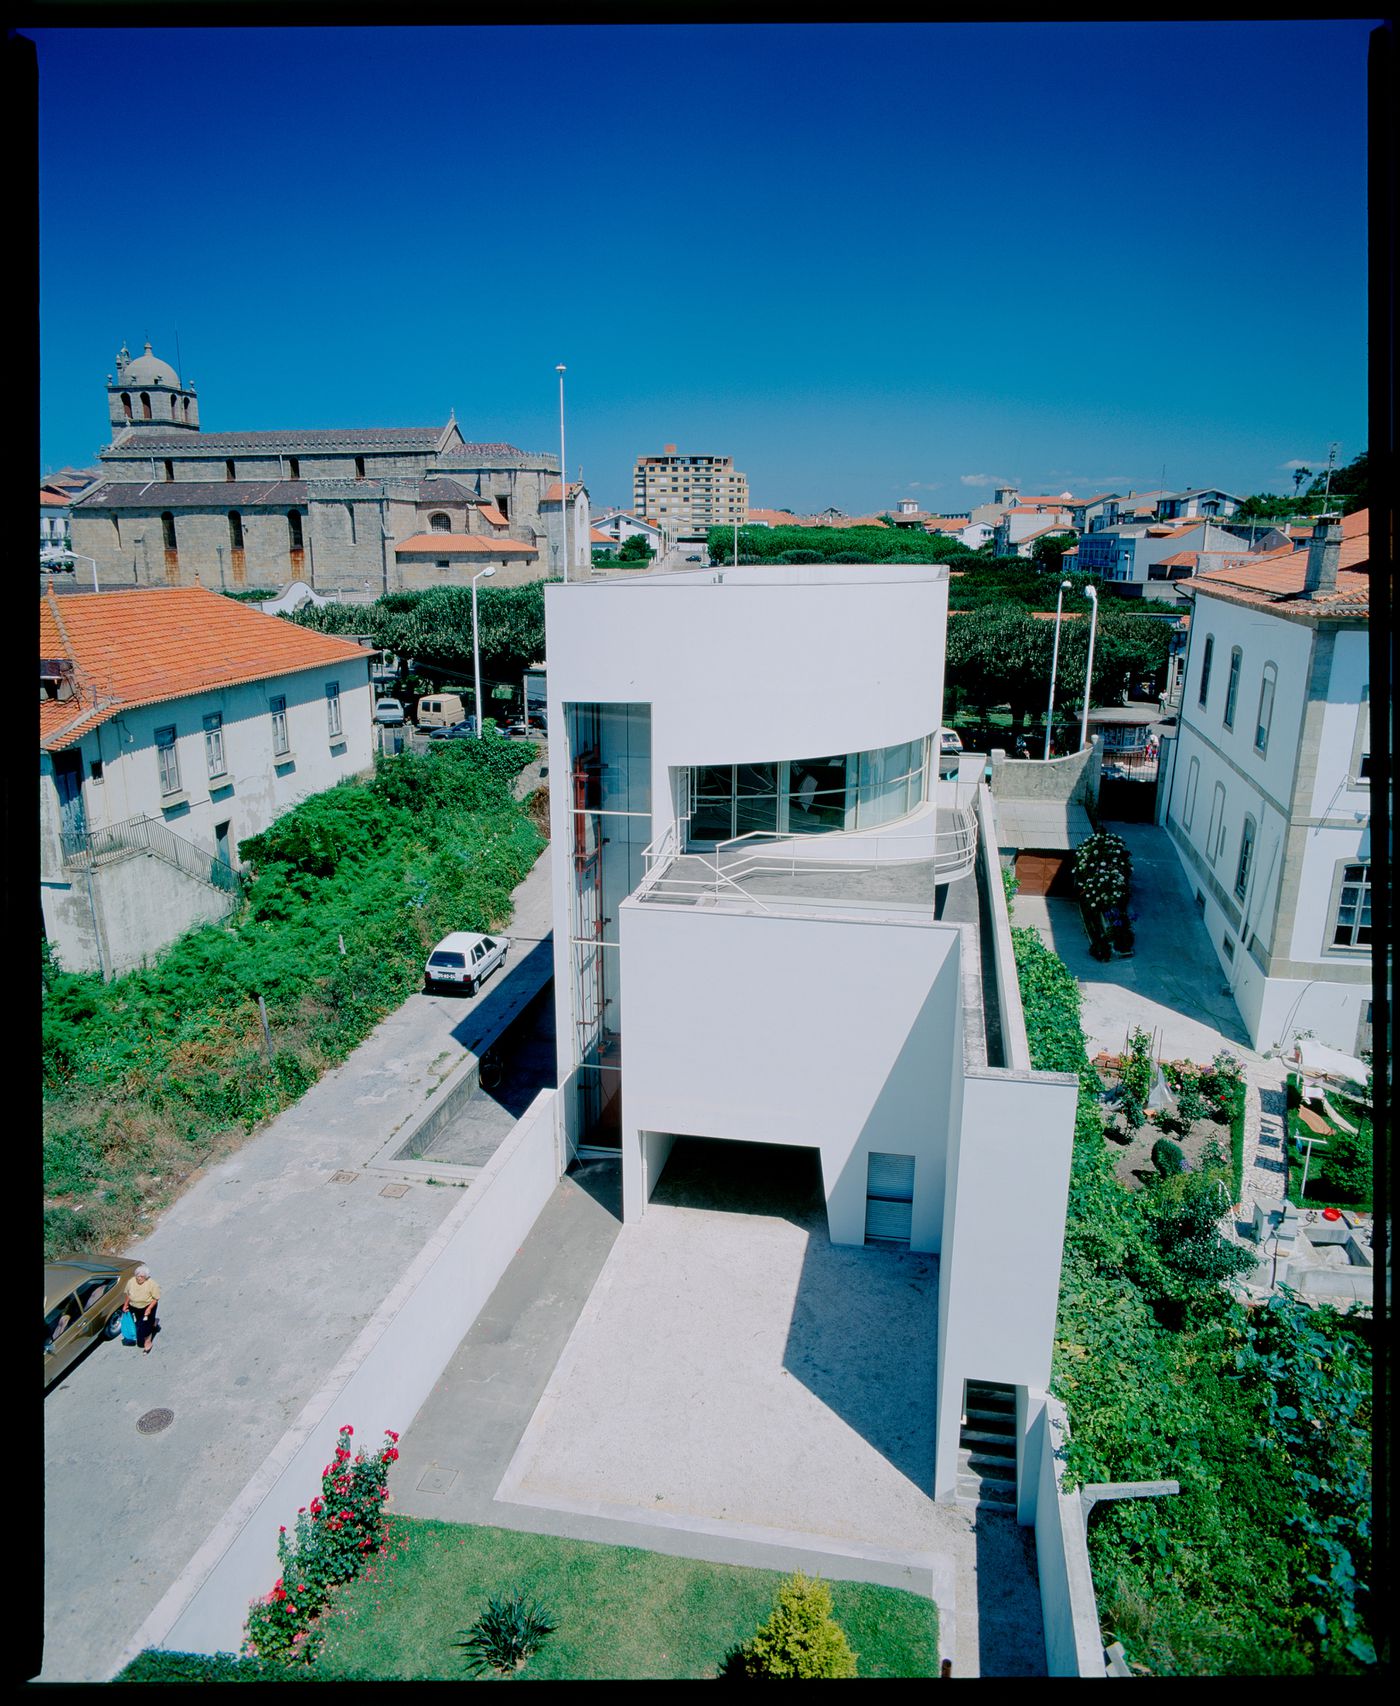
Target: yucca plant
(506, 1634)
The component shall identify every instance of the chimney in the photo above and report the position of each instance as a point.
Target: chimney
(1324, 554)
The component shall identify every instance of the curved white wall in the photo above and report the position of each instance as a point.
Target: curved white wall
(761, 664)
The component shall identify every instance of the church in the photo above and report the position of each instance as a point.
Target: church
(354, 512)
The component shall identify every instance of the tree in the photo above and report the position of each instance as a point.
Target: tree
(1299, 475)
(999, 654)
(1049, 549)
(800, 1638)
(634, 549)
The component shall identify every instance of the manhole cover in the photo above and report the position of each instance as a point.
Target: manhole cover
(436, 1480)
(342, 1178)
(394, 1191)
(154, 1420)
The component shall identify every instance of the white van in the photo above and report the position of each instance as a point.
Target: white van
(440, 711)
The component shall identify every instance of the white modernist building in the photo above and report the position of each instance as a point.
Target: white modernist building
(1269, 797)
(774, 924)
(173, 724)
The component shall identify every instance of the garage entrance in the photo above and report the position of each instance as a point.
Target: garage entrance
(777, 1179)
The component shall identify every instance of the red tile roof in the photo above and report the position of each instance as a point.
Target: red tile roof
(47, 495)
(1276, 577)
(473, 544)
(551, 495)
(156, 643)
(493, 515)
(1179, 560)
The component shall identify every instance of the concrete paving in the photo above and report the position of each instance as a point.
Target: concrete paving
(732, 1388)
(270, 1265)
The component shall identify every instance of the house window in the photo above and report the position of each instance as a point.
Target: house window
(235, 530)
(168, 760)
(1265, 718)
(229, 473)
(333, 709)
(167, 529)
(1232, 686)
(187, 411)
(359, 467)
(1351, 927)
(145, 406)
(440, 523)
(1247, 835)
(502, 501)
(294, 468)
(95, 770)
(214, 744)
(294, 528)
(1215, 831)
(1206, 656)
(169, 472)
(1193, 777)
(278, 707)
(126, 405)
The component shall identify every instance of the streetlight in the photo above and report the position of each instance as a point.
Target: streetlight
(476, 647)
(58, 558)
(1054, 664)
(563, 474)
(1089, 667)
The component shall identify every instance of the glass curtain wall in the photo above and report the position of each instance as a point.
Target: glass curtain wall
(611, 825)
(807, 796)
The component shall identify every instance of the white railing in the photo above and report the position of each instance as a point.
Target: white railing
(734, 862)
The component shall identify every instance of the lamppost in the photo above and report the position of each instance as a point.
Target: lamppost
(1054, 664)
(67, 553)
(476, 647)
(563, 474)
(1089, 667)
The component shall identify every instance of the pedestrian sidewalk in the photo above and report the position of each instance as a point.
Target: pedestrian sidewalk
(270, 1265)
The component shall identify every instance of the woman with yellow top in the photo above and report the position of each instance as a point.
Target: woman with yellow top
(142, 1295)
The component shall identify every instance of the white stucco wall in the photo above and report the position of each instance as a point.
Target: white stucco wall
(827, 1032)
(1003, 1232)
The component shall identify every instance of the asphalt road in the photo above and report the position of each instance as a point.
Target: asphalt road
(269, 1266)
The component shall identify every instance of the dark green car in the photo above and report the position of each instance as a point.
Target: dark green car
(83, 1298)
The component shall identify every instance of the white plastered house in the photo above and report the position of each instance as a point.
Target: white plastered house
(1268, 799)
(775, 924)
(173, 724)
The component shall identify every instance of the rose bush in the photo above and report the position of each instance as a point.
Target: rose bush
(327, 1546)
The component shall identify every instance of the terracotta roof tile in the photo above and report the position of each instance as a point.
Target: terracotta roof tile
(47, 495)
(493, 515)
(551, 494)
(156, 643)
(1276, 577)
(474, 544)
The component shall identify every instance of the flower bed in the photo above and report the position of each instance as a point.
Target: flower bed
(331, 1540)
(1103, 874)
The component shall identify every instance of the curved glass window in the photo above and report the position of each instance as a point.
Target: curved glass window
(807, 796)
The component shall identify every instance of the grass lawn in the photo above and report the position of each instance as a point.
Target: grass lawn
(1320, 1192)
(621, 1612)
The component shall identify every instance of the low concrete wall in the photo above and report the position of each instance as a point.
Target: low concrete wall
(1073, 777)
(142, 905)
(1068, 1608)
(1010, 1011)
(381, 1382)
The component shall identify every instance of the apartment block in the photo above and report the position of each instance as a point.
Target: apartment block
(689, 493)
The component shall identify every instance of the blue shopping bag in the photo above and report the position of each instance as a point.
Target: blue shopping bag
(128, 1327)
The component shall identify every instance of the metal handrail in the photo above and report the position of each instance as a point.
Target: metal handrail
(955, 855)
(148, 835)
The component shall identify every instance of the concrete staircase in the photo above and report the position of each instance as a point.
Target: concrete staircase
(987, 1448)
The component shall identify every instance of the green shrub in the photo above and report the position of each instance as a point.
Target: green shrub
(1167, 1157)
(156, 1666)
(800, 1638)
(1137, 1078)
(506, 1634)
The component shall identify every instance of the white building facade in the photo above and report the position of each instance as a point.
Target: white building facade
(144, 796)
(1269, 798)
(754, 939)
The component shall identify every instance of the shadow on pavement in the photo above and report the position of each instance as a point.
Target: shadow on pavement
(1010, 1629)
(601, 1180)
(863, 1329)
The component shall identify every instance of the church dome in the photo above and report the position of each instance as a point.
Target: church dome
(148, 369)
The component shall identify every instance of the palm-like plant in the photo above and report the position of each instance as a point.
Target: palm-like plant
(506, 1634)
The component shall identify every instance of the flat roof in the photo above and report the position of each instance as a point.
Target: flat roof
(792, 574)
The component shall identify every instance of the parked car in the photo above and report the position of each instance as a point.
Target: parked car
(83, 1297)
(465, 730)
(695, 559)
(951, 741)
(463, 960)
(439, 711)
(388, 711)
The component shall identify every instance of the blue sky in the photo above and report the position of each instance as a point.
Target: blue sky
(868, 262)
